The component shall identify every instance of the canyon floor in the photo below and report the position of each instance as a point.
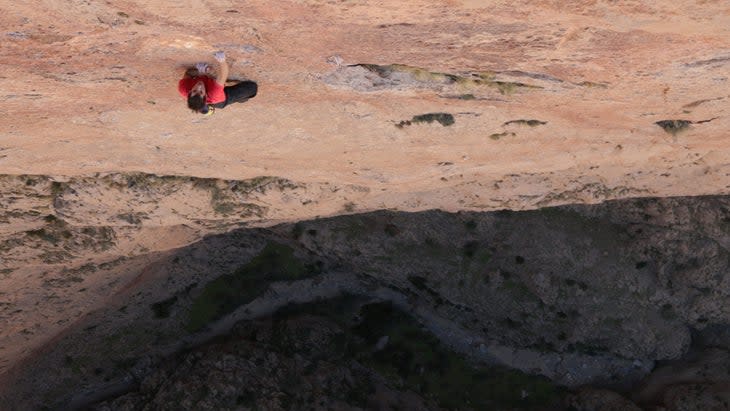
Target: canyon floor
(369, 114)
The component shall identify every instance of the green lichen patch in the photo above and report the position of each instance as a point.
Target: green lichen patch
(469, 81)
(413, 358)
(497, 136)
(276, 262)
(674, 127)
(523, 122)
(385, 339)
(445, 119)
(591, 84)
(419, 74)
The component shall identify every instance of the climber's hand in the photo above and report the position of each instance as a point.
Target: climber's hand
(202, 68)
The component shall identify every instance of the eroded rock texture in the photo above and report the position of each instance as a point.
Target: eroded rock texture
(584, 295)
(132, 230)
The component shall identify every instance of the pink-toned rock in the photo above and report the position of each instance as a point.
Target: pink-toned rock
(583, 102)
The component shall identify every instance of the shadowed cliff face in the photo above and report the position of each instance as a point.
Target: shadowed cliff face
(341, 353)
(582, 295)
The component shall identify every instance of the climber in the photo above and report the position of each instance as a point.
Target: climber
(205, 94)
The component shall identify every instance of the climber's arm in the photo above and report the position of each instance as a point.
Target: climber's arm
(223, 72)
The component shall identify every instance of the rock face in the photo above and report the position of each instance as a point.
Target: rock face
(582, 295)
(132, 229)
(599, 400)
(550, 103)
(320, 356)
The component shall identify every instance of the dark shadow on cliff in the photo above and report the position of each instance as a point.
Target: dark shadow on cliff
(580, 294)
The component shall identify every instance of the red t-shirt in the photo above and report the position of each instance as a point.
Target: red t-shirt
(213, 91)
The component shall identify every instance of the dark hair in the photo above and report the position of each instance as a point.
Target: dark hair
(196, 102)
